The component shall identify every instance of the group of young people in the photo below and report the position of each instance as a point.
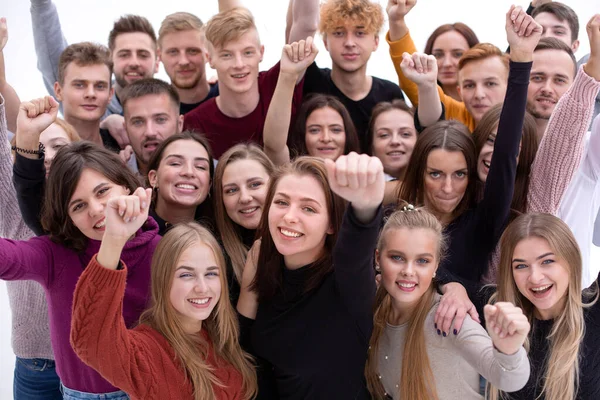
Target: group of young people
(303, 232)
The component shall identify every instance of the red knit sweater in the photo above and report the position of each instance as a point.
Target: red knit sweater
(139, 361)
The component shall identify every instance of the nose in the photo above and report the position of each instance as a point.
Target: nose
(325, 135)
(183, 58)
(290, 216)
(479, 92)
(395, 139)
(96, 208)
(349, 40)
(447, 185)
(447, 60)
(239, 63)
(408, 269)
(201, 285)
(187, 169)
(536, 274)
(245, 196)
(547, 88)
(90, 91)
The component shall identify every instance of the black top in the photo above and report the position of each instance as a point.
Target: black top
(109, 142)
(185, 108)
(473, 236)
(318, 80)
(314, 345)
(247, 236)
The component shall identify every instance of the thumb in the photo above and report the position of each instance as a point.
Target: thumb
(489, 312)
(330, 167)
(146, 202)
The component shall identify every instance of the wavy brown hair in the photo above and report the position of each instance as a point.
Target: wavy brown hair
(67, 166)
(459, 27)
(561, 366)
(229, 230)
(416, 380)
(529, 147)
(269, 272)
(221, 325)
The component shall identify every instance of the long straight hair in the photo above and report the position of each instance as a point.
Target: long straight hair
(416, 379)
(561, 376)
(269, 273)
(222, 326)
(229, 230)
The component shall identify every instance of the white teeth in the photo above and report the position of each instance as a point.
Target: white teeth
(249, 210)
(239, 75)
(199, 301)
(407, 285)
(541, 288)
(132, 74)
(486, 163)
(185, 186)
(100, 224)
(395, 153)
(290, 233)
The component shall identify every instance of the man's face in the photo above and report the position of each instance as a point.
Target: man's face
(149, 120)
(237, 62)
(482, 85)
(85, 92)
(134, 58)
(350, 47)
(551, 76)
(182, 54)
(553, 27)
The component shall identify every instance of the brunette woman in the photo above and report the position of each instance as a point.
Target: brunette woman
(186, 346)
(180, 174)
(408, 361)
(241, 184)
(82, 179)
(312, 285)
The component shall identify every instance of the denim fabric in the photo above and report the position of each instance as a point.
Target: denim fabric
(70, 394)
(36, 379)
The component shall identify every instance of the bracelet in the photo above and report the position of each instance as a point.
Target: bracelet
(39, 151)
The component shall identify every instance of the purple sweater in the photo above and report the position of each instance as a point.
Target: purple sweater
(57, 269)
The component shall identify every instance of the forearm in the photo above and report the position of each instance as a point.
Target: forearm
(305, 19)
(11, 99)
(430, 106)
(277, 122)
(225, 5)
(398, 29)
(29, 182)
(109, 254)
(397, 48)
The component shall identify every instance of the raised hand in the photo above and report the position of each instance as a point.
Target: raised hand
(397, 9)
(359, 179)
(453, 308)
(126, 153)
(115, 124)
(537, 3)
(3, 33)
(592, 67)
(35, 116)
(420, 68)
(507, 326)
(522, 33)
(298, 56)
(126, 214)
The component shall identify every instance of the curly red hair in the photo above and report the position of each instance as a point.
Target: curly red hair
(336, 13)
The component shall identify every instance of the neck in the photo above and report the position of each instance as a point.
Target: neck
(192, 327)
(118, 90)
(195, 94)
(444, 218)
(541, 124)
(174, 213)
(451, 91)
(400, 313)
(237, 105)
(552, 312)
(87, 130)
(355, 85)
(297, 261)
(142, 168)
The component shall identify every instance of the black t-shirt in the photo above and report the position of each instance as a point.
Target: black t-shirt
(109, 142)
(185, 108)
(318, 80)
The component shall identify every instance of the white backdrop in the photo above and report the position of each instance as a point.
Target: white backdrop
(91, 20)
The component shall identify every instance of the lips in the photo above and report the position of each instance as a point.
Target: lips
(406, 286)
(350, 56)
(100, 225)
(396, 153)
(546, 101)
(186, 187)
(541, 291)
(290, 233)
(240, 76)
(248, 210)
(150, 145)
(89, 107)
(200, 302)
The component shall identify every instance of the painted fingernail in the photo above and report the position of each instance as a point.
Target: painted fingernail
(439, 332)
(127, 220)
(444, 334)
(143, 204)
(435, 324)
(455, 332)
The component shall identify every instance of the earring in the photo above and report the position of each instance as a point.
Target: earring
(433, 276)
(377, 268)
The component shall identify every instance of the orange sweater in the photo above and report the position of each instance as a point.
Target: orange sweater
(139, 361)
(455, 110)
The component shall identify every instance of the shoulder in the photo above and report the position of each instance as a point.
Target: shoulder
(197, 115)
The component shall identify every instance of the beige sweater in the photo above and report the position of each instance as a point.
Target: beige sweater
(456, 361)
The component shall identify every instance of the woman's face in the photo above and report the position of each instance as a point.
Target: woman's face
(448, 48)
(394, 137)
(299, 220)
(446, 180)
(541, 276)
(196, 287)
(245, 186)
(53, 138)
(408, 261)
(183, 175)
(325, 135)
(87, 204)
(485, 155)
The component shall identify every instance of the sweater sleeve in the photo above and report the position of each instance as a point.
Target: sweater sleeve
(11, 223)
(30, 260)
(99, 336)
(508, 373)
(353, 257)
(560, 150)
(48, 39)
(455, 110)
(29, 178)
(493, 210)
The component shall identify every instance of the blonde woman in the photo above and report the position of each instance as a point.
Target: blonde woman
(408, 361)
(186, 346)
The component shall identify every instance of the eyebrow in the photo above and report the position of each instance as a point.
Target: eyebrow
(402, 253)
(191, 269)
(537, 258)
(179, 156)
(302, 199)
(256, 178)
(98, 187)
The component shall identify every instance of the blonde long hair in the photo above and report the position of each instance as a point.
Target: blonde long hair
(229, 231)
(221, 325)
(416, 377)
(561, 375)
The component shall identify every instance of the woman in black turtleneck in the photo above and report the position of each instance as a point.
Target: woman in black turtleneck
(307, 296)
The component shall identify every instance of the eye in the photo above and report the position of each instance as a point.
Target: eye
(255, 185)
(407, 134)
(490, 84)
(438, 55)
(282, 203)
(201, 167)
(397, 258)
(231, 190)
(490, 140)
(137, 122)
(212, 273)
(144, 55)
(101, 86)
(561, 81)
(58, 146)
(536, 79)
(193, 52)
(460, 174)
(361, 33)
(520, 266)
(186, 275)
(314, 131)
(457, 54)
(468, 86)
(103, 191)
(173, 52)
(422, 261)
(435, 174)
(546, 262)
(383, 135)
(225, 55)
(249, 53)
(309, 210)
(78, 85)
(174, 164)
(337, 130)
(161, 120)
(77, 207)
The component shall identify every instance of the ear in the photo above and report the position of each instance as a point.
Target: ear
(376, 43)
(459, 91)
(330, 231)
(158, 54)
(325, 42)
(152, 178)
(262, 51)
(575, 46)
(156, 64)
(180, 123)
(58, 91)
(111, 93)
(209, 57)
(377, 258)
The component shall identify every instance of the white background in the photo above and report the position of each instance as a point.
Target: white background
(91, 20)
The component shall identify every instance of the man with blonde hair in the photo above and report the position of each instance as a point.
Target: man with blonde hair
(238, 113)
(182, 50)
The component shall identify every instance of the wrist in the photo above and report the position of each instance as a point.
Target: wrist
(398, 29)
(520, 56)
(109, 254)
(592, 69)
(288, 76)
